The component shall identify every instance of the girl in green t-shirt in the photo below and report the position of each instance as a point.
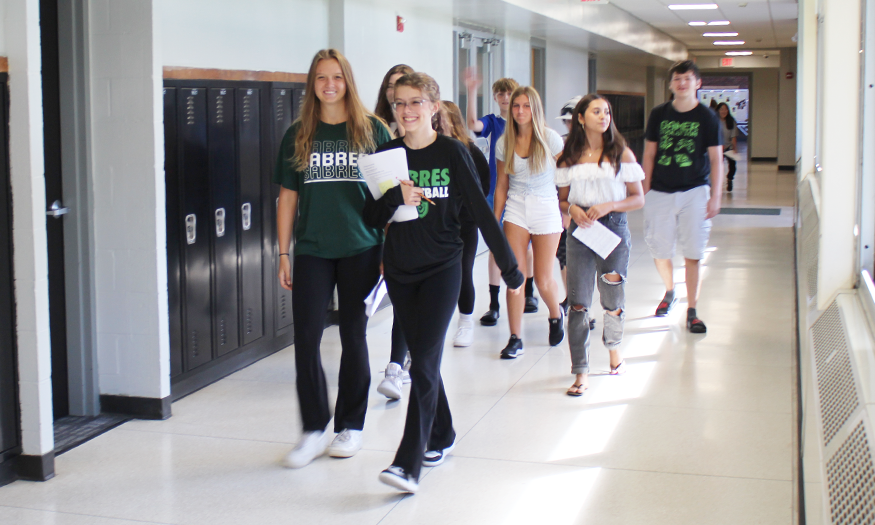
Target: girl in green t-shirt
(323, 195)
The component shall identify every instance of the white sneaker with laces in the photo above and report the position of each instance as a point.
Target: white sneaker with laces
(405, 370)
(311, 446)
(465, 334)
(346, 444)
(390, 386)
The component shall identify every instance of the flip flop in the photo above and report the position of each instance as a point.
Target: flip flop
(575, 390)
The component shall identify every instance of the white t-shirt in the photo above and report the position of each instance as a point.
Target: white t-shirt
(592, 184)
(523, 182)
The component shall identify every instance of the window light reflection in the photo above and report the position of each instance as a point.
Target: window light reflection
(556, 500)
(589, 433)
(627, 386)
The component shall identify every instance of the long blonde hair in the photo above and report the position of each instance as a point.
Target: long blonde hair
(540, 158)
(359, 127)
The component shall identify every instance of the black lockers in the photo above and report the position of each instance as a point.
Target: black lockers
(226, 306)
(628, 111)
(9, 416)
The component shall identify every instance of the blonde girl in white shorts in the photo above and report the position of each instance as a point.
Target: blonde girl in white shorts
(526, 195)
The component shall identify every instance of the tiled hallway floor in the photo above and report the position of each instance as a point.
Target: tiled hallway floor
(700, 431)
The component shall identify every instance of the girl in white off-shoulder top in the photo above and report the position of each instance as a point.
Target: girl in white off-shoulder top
(599, 181)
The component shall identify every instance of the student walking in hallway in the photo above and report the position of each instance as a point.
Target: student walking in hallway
(323, 191)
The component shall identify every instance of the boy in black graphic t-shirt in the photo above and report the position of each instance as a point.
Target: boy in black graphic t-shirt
(683, 154)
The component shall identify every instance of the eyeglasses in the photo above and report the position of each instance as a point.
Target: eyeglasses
(413, 104)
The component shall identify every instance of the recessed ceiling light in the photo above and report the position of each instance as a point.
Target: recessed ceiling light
(729, 43)
(719, 23)
(739, 53)
(719, 34)
(681, 7)
(698, 23)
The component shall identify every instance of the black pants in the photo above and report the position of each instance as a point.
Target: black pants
(466, 293)
(731, 174)
(469, 252)
(424, 310)
(313, 281)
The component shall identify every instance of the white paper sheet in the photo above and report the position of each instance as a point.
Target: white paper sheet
(382, 172)
(373, 300)
(599, 239)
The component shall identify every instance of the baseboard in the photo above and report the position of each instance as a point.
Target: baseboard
(764, 159)
(791, 167)
(36, 468)
(8, 472)
(136, 407)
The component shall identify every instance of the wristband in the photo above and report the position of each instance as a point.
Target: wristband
(284, 254)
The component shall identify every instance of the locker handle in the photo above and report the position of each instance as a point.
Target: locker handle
(246, 213)
(190, 228)
(220, 222)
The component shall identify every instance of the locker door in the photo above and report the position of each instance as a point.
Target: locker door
(282, 119)
(224, 218)
(175, 230)
(196, 211)
(249, 147)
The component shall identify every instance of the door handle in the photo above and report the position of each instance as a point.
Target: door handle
(190, 228)
(246, 213)
(57, 209)
(220, 222)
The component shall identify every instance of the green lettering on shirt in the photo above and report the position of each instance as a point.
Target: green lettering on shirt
(445, 177)
(424, 178)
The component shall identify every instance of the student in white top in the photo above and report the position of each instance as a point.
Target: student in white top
(526, 195)
(598, 180)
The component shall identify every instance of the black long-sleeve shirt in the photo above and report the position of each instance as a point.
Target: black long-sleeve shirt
(482, 166)
(417, 249)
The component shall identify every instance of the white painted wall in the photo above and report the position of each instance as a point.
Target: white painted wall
(613, 75)
(133, 341)
(372, 45)
(764, 113)
(21, 31)
(3, 48)
(261, 35)
(518, 58)
(567, 77)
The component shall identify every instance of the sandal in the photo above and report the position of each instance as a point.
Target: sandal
(694, 324)
(576, 390)
(666, 305)
(619, 369)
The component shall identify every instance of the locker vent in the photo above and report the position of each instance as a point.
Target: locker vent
(220, 108)
(851, 479)
(280, 107)
(223, 334)
(248, 321)
(283, 307)
(189, 108)
(194, 347)
(835, 379)
(247, 107)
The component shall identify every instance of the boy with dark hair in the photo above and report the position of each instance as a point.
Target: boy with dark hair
(491, 127)
(683, 177)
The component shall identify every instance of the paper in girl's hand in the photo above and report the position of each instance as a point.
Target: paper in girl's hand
(598, 238)
(383, 171)
(373, 300)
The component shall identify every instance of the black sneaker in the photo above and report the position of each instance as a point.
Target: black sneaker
(666, 305)
(729, 185)
(433, 458)
(557, 329)
(395, 476)
(531, 305)
(513, 349)
(591, 325)
(490, 318)
(694, 324)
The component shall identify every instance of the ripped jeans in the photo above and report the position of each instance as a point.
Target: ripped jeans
(585, 268)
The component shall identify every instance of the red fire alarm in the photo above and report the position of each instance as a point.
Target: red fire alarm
(399, 24)
(789, 75)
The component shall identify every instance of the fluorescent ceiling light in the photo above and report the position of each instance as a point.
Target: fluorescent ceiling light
(720, 34)
(729, 43)
(682, 7)
(698, 24)
(719, 23)
(739, 53)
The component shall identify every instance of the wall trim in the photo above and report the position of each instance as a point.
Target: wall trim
(136, 407)
(193, 73)
(36, 468)
(627, 93)
(790, 167)
(766, 159)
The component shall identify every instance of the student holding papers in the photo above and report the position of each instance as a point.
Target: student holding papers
(422, 265)
(599, 181)
(322, 195)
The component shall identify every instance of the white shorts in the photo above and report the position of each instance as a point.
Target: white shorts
(670, 218)
(538, 215)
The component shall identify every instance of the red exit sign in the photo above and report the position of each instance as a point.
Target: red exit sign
(727, 62)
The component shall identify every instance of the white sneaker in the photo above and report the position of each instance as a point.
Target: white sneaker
(311, 446)
(346, 444)
(391, 384)
(465, 335)
(405, 370)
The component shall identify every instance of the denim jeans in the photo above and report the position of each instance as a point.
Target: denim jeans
(585, 268)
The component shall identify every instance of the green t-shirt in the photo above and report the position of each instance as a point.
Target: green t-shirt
(331, 193)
